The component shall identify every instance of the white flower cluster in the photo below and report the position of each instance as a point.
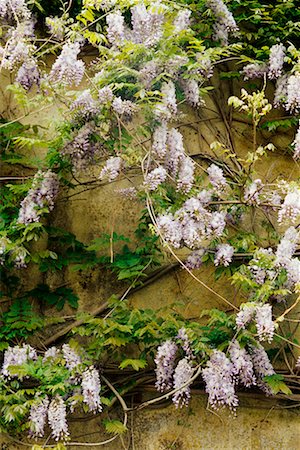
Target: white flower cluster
(86, 382)
(82, 149)
(262, 313)
(112, 168)
(41, 195)
(296, 144)
(165, 364)
(168, 148)
(168, 376)
(67, 69)
(221, 374)
(17, 356)
(225, 22)
(57, 418)
(243, 366)
(290, 209)
(276, 60)
(155, 178)
(254, 70)
(191, 224)
(219, 377)
(216, 177)
(262, 367)
(224, 255)
(182, 374)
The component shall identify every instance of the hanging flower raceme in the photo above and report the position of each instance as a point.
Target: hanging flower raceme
(67, 69)
(219, 377)
(216, 177)
(290, 209)
(91, 389)
(224, 255)
(296, 144)
(165, 364)
(42, 194)
(182, 374)
(243, 366)
(225, 22)
(276, 60)
(57, 418)
(38, 417)
(112, 168)
(262, 367)
(262, 314)
(17, 356)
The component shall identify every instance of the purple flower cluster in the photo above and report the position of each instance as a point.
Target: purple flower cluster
(168, 148)
(67, 69)
(155, 178)
(216, 177)
(71, 357)
(57, 418)
(182, 20)
(86, 383)
(85, 106)
(254, 70)
(12, 10)
(28, 74)
(296, 144)
(290, 209)
(165, 364)
(276, 60)
(91, 389)
(262, 367)
(219, 377)
(115, 28)
(194, 260)
(38, 417)
(242, 363)
(191, 224)
(185, 343)
(182, 374)
(293, 94)
(264, 323)
(280, 93)
(191, 92)
(112, 168)
(167, 375)
(82, 149)
(42, 194)
(224, 23)
(124, 108)
(167, 109)
(17, 356)
(262, 313)
(147, 24)
(224, 255)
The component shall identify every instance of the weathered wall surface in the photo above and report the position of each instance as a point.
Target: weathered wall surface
(260, 423)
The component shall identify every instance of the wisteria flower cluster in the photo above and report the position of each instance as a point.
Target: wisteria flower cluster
(221, 374)
(82, 380)
(41, 195)
(262, 313)
(169, 374)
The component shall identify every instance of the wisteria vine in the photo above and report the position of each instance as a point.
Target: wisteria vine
(151, 70)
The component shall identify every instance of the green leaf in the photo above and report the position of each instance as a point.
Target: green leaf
(136, 364)
(114, 426)
(276, 383)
